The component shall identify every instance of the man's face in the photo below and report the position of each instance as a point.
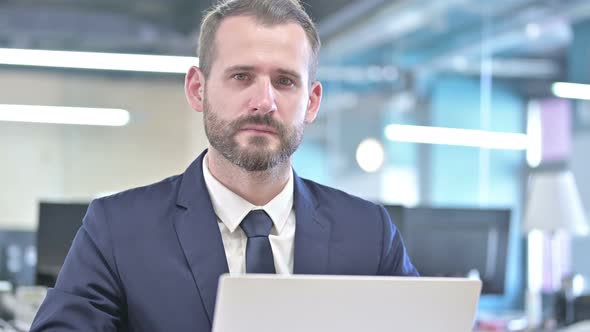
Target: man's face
(267, 143)
(256, 101)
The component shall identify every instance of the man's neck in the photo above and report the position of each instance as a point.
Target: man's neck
(257, 188)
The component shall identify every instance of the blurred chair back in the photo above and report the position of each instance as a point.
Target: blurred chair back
(582, 309)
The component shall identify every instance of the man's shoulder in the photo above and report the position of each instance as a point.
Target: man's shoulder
(144, 197)
(348, 214)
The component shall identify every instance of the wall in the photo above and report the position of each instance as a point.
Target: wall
(56, 162)
(580, 164)
(456, 104)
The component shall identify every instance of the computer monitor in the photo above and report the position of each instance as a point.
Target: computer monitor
(17, 257)
(58, 224)
(457, 242)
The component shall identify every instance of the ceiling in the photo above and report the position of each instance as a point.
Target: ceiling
(147, 26)
(526, 38)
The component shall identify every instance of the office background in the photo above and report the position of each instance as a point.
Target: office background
(462, 64)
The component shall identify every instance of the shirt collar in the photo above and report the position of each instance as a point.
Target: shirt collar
(231, 209)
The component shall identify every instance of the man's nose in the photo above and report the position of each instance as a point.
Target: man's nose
(263, 98)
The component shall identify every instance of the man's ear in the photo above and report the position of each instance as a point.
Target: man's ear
(315, 99)
(194, 85)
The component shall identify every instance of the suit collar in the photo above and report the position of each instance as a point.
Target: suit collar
(199, 236)
(231, 208)
(312, 233)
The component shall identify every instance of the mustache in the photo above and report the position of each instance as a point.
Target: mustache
(264, 120)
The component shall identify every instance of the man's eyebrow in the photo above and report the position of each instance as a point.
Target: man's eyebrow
(239, 68)
(290, 73)
(281, 71)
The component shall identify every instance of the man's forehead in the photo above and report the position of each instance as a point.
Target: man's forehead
(242, 40)
(247, 28)
(254, 22)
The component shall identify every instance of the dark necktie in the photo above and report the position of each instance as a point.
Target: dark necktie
(257, 225)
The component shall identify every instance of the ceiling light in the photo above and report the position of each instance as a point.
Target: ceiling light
(460, 63)
(533, 31)
(571, 90)
(457, 137)
(64, 115)
(100, 61)
(534, 134)
(370, 155)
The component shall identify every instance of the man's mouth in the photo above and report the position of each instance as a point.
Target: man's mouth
(259, 129)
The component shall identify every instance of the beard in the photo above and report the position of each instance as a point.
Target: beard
(258, 155)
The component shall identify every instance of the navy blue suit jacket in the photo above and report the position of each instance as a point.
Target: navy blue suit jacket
(149, 259)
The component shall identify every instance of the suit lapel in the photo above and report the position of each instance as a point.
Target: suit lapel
(200, 239)
(312, 234)
(199, 235)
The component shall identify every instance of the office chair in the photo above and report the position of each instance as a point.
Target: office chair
(581, 308)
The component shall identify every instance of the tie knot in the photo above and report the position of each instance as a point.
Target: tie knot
(256, 224)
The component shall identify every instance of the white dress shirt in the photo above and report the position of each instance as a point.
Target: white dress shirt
(231, 209)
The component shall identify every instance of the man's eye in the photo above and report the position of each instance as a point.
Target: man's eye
(285, 81)
(240, 77)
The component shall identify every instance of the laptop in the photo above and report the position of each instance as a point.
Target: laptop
(306, 303)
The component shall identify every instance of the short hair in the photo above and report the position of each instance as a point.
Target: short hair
(266, 12)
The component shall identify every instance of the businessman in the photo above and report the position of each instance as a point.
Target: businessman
(149, 259)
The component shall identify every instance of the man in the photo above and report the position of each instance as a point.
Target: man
(149, 259)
